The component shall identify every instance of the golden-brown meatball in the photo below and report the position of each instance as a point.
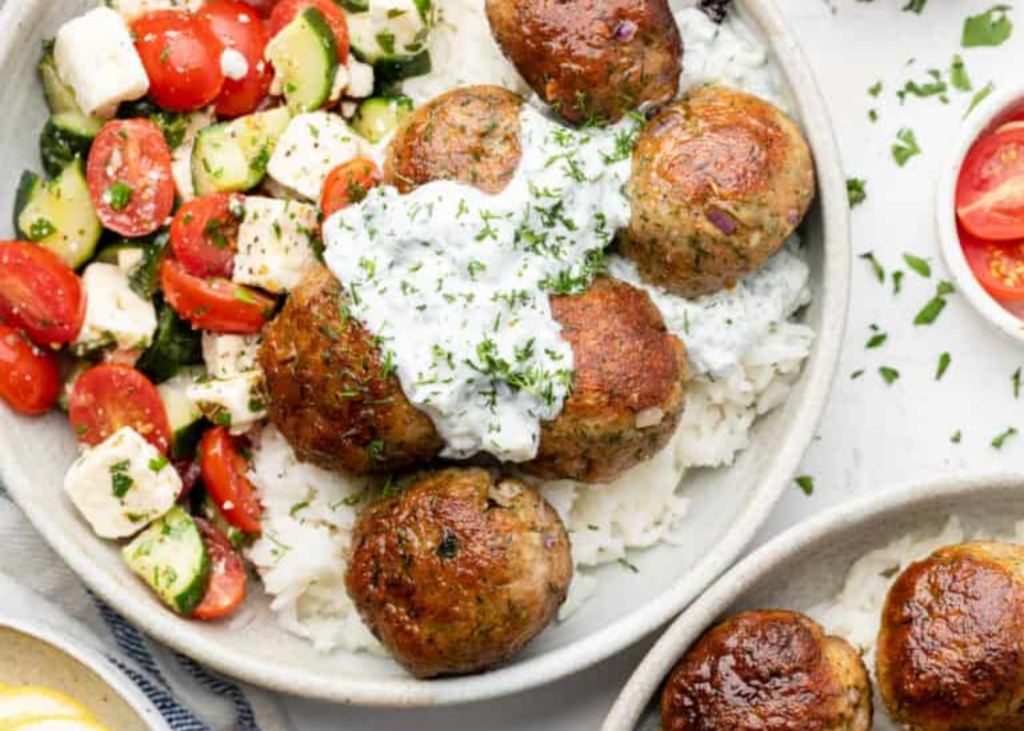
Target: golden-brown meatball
(720, 180)
(768, 671)
(951, 644)
(592, 60)
(459, 571)
(331, 395)
(628, 385)
(469, 135)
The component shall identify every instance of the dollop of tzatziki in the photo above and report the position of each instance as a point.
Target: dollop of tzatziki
(455, 282)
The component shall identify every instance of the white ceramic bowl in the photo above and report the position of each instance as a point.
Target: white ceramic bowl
(727, 505)
(987, 116)
(807, 565)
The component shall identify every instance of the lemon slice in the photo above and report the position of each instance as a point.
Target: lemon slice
(18, 704)
(56, 723)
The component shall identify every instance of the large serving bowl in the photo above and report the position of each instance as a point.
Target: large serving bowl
(727, 506)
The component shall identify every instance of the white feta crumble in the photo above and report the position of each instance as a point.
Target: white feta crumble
(122, 484)
(310, 148)
(230, 355)
(95, 56)
(275, 244)
(114, 314)
(360, 78)
(238, 402)
(233, 65)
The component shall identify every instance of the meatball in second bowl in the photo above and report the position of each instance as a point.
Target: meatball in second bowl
(591, 60)
(720, 180)
(768, 670)
(951, 645)
(459, 571)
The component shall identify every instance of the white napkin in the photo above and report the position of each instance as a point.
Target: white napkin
(38, 585)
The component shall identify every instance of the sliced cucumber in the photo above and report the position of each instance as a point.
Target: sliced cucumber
(65, 137)
(59, 96)
(174, 125)
(378, 116)
(170, 556)
(109, 253)
(143, 278)
(185, 420)
(305, 57)
(389, 72)
(391, 30)
(233, 156)
(58, 215)
(175, 345)
(355, 6)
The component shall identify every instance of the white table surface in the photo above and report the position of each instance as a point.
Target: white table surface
(873, 436)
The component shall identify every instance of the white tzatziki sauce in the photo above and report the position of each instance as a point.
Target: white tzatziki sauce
(454, 282)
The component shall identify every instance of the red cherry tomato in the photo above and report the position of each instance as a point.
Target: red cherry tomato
(218, 305)
(227, 575)
(204, 235)
(262, 7)
(39, 293)
(286, 10)
(29, 376)
(109, 397)
(181, 54)
(239, 28)
(997, 265)
(224, 475)
(348, 184)
(188, 471)
(129, 174)
(990, 191)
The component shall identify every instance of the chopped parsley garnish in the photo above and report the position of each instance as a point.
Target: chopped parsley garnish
(805, 483)
(991, 28)
(919, 265)
(979, 97)
(869, 257)
(158, 463)
(120, 481)
(1001, 439)
(119, 195)
(897, 281)
(906, 147)
(626, 564)
(944, 361)
(957, 437)
(1015, 379)
(958, 75)
(915, 6)
(931, 311)
(876, 89)
(935, 87)
(856, 191)
(856, 374)
(40, 229)
(889, 375)
(877, 340)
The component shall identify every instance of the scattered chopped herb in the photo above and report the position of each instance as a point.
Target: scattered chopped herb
(931, 311)
(919, 265)
(158, 463)
(875, 89)
(944, 361)
(805, 483)
(629, 566)
(40, 229)
(915, 6)
(856, 191)
(1000, 440)
(897, 281)
(119, 195)
(979, 97)
(957, 437)
(120, 481)
(889, 375)
(877, 340)
(856, 374)
(1015, 379)
(991, 28)
(906, 147)
(958, 75)
(869, 257)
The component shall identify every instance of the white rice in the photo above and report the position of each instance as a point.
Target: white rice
(301, 556)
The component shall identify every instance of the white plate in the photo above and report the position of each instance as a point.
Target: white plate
(727, 505)
(807, 565)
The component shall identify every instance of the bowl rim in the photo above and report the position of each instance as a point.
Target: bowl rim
(816, 382)
(649, 675)
(94, 661)
(977, 123)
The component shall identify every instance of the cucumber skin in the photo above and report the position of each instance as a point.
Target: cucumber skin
(59, 97)
(30, 186)
(269, 129)
(59, 145)
(388, 72)
(316, 21)
(175, 345)
(26, 190)
(370, 120)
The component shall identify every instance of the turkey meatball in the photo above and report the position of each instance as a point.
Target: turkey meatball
(768, 671)
(469, 135)
(628, 389)
(951, 644)
(331, 394)
(459, 571)
(720, 180)
(592, 60)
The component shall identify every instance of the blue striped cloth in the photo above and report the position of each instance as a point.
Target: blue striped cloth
(189, 697)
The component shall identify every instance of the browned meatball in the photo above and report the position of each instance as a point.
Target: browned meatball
(459, 571)
(592, 60)
(951, 645)
(330, 393)
(469, 135)
(720, 180)
(768, 671)
(628, 385)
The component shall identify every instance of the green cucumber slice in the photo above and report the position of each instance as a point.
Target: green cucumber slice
(65, 137)
(378, 116)
(185, 420)
(305, 56)
(58, 215)
(233, 156)
(59, 96)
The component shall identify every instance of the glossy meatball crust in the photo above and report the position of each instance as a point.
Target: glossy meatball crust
(469, 135)
(720, 180)
(628, 390)
(592, 60)
(951, 644)
(768, 671)
(459, 571)
(330, 393)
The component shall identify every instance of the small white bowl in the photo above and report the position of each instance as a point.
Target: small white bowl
(984, 118)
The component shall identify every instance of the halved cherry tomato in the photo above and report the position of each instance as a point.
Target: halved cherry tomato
(109, 397)
(990, 191)
(181, 54)
(218, 305)
(204, 235)
(240, 29)
(129, 173)
(997, 265)
(286, 10)
(224, 476)
(29, 376)
(39, 293)
(347, 184)
(227, 575)
(263, 7)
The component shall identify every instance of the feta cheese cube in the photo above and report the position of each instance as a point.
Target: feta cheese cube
(114, 314)
(96, 57)
(122, 484)
(181, 156)
(230, 355)
(237, 402)
(310, 148)
(360, 78)
(275, 244)
(131, 9)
